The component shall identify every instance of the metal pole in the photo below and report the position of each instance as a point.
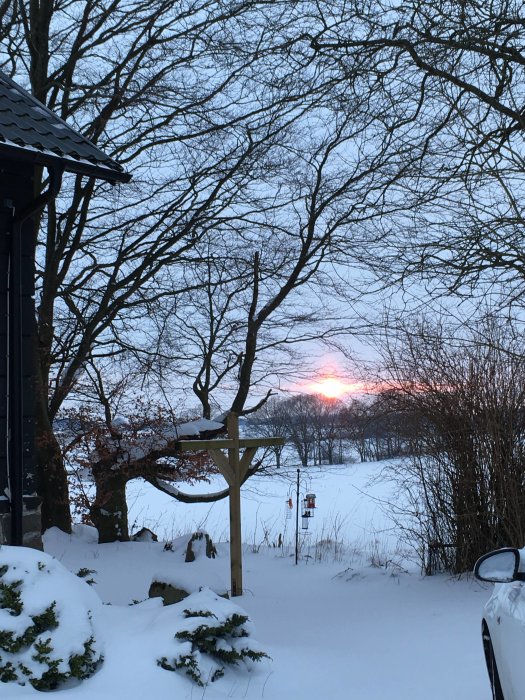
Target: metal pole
(297, 521)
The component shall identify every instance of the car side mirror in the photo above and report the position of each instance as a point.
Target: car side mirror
(500, 566)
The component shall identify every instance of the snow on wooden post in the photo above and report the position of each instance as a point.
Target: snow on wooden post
(234, 469)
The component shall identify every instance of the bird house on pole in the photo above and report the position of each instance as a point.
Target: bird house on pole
(309, 501)
(32, 140)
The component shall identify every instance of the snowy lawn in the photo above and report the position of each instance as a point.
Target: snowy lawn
(366, 626)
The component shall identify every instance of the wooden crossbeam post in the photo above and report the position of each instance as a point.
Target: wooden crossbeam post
(232, 425)
(234, 469)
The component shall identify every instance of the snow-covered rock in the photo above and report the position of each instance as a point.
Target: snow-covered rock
(190, 574)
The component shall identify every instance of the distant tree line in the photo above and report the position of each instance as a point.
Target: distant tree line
(329, 431)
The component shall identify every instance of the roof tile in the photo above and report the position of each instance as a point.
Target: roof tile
(28, 124)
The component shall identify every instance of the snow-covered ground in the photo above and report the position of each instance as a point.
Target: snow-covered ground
(350, 505)
(356, 623)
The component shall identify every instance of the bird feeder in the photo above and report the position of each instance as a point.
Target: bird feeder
(309, 501)
(305, 518)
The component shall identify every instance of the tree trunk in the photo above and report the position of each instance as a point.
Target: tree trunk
(109, 512)
(51, 476)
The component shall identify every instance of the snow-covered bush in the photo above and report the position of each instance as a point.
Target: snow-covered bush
(47, 618)
(213, 634)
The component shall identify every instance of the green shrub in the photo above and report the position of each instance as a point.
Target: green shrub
(29, 652)
(209, 646)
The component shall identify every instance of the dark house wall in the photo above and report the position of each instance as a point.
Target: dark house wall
(5, 216)
(17, 194)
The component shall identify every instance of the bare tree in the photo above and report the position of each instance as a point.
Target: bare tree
(271, 420)
(131, 77)
(111, 454)
(375, 427)
(327, 428)
(265, 283)
(117, 434)
(314, 427)
(232, 135)
(449, 78)
(463, 391)
(300, 412)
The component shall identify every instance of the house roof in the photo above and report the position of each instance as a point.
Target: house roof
(31, 131)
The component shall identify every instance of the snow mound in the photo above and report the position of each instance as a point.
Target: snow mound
(48, 620)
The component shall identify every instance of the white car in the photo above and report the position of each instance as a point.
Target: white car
(503, 626)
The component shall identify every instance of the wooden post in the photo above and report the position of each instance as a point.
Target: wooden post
(234, 469)
(232, 426)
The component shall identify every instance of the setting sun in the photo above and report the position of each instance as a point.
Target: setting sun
(331, 387)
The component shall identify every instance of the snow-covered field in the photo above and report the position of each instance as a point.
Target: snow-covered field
(356, 622)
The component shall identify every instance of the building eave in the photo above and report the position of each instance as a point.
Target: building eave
(79, 166)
